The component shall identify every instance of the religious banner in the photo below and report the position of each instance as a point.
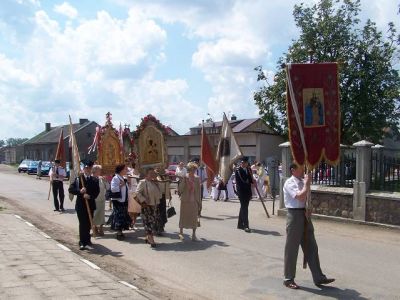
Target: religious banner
(208, 157)
(313, 111)
(228, 151)
(151, 150)
(109, 152)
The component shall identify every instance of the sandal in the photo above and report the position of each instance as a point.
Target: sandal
(291, 284)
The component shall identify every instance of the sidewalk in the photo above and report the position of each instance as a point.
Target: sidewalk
(34, 266)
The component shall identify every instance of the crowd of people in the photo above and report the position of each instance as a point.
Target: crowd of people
(132, 196)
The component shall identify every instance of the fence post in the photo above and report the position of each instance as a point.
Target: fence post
(286, 161)
(363, 178)
(378, 169)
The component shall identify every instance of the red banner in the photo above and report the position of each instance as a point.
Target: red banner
(314, 89)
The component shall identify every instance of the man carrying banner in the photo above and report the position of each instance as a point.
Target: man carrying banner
(244, 181)
(295, 192)
(313, 111)
(86, 188)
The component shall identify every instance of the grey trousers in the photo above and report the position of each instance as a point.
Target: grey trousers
(295, 237)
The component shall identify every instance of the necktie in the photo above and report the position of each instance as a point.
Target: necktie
(57, 171)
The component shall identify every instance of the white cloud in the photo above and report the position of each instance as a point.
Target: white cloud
(85, 70)
(67, 10)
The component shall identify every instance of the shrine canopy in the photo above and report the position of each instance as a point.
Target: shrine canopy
(109, 145)
(150, 145)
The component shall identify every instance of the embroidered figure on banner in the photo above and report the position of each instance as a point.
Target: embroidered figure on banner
(314, 109)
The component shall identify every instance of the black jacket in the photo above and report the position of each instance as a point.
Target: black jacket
(92, 189)
(243, 179)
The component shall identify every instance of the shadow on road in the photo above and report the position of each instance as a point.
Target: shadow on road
(188, 245)
(103, 251)
(266, 232)
(335, 292)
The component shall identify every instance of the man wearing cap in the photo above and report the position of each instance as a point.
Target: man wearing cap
(57, 174)
(86, 188)
(244, 181)
(295, 192)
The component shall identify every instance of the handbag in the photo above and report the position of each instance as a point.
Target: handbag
(171, 210)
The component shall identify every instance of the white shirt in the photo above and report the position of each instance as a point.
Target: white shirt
(290, 189)
(181, 172)
(57, 177)
(115, 187)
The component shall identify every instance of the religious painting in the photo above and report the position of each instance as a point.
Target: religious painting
(151, 146)
(313, 103)
(109, 151)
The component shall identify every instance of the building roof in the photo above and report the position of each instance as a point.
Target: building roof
(52, 136)
(237, 125)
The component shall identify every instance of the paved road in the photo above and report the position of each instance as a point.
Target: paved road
(226, 263)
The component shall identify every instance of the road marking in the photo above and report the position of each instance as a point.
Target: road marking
(18, 217)
(29, 224)
(129, 285)
(63, 247)
(90, 264)
(45, 235)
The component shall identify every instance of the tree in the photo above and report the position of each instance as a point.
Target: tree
(369, 84)
(2, 143)
(15, 141)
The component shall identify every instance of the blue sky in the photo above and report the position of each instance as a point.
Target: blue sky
(176, 59)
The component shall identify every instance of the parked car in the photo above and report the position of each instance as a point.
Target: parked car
(170, 171)
(23, 166)
(32, 167)
(46, 166)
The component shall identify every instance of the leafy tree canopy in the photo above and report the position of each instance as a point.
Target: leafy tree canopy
(369, 83)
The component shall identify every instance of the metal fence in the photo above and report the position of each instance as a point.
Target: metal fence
(385, 169)
(342, 175)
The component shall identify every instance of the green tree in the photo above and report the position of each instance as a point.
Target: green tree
(2, 143)
(330, 31)
(15, 141)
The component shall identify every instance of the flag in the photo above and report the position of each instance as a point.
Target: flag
(75, 167)
(208, 158)
(228, 151)
(313, 111)
(60, 153)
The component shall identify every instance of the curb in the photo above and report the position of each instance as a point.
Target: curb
(283, 212)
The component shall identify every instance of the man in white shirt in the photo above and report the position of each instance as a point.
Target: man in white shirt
(295, 192)
(57, 174)
(181, 170)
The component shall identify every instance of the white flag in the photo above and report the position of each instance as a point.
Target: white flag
(75, 159)
(228, 151)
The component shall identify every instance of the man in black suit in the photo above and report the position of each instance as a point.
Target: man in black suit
(244, 181)
(86, 188)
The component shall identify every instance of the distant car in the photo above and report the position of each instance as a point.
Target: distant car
(170, 171)
(46, 166)
(23, 166)
(32, 167)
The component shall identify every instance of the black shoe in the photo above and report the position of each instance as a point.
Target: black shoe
(56, 210)
(62, 209)
(248, 230)
(89, 243)
(241, 228)
(81, 246)
(325, 281)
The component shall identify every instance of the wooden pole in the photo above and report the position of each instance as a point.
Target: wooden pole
(262, 200)
(87, 203)
(48, 196)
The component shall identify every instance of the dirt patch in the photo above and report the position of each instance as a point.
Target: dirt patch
(103, 257)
